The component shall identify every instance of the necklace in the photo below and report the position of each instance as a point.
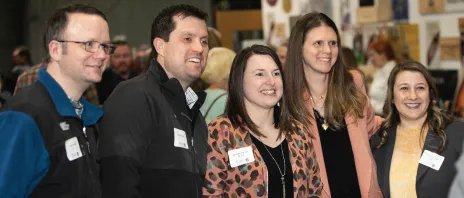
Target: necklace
(325, 125)
(285, 167)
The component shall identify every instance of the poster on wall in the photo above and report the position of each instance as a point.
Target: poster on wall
(400, 9)
(454, 5)
(324, 6)
(431, 6)
(287, 5)
(432, 29)
(345, 14)
(409, 42)
(450, 48)
(277, 32)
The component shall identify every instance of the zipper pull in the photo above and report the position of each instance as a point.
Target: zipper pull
(85, 132)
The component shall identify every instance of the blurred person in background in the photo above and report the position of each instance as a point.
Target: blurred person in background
(383, 57)
(216, 74)
(351, 64)
(21, 61)
(282, 52)
(418, 145)
(214, 40)
(119, 70)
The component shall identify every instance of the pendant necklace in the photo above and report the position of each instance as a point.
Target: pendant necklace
(325, 125)
(285, 167)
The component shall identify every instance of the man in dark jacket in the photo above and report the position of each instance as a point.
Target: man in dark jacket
(47, 134)
(153, 137)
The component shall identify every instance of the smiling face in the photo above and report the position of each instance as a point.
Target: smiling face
(320, 49)
(411, 96)
(76, 62)
(184, 55)
(262, 83)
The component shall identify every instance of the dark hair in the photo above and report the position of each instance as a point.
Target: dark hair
(349, 58)
(437, 119)
(24, 52)
(164, 23)
(59, 20)
(235, 107)
(343, 96)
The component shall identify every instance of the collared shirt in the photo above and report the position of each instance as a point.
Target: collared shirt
(30, 76)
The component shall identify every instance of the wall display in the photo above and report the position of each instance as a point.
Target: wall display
(454, 5)
(431, 6)
(450, 48)
(358, 49)
(400, 9)
(324, 6)
(287, 5)
(345, 14)
(461, 32)
(408, 43)
(432, 29)
(271, 2)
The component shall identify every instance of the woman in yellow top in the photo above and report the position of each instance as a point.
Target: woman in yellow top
(419, 143)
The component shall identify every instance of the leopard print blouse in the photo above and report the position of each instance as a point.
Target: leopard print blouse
(250, 179)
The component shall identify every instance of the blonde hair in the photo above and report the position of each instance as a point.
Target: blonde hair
(218, 65)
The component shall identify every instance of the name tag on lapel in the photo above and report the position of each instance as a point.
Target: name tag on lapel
(241, 156)
(431, 160)
(73, 149)
(180, 139)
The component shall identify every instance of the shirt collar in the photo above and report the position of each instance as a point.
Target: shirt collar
(91, 113)
(190, 95)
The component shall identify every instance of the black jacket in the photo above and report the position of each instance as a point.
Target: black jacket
(138, 156)
(37, 125)
(429, 182)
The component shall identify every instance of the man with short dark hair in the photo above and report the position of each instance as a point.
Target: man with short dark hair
(120, 64)
(153, 137)
(47, 131)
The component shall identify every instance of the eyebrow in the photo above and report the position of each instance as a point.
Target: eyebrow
(185, 33)
(414, 85)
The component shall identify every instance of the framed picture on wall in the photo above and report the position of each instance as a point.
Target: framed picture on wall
(454, 5)
(431, 6)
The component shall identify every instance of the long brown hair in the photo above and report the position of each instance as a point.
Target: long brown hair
(343, 96)
(437, 119)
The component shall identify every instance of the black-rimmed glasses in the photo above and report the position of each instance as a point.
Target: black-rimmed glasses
(93, 46)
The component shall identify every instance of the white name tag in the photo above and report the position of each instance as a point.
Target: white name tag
(241, 156)
(73, 149)
(431, 160)
(180, 139)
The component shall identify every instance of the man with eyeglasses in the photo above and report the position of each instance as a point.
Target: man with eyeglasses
(47, 131)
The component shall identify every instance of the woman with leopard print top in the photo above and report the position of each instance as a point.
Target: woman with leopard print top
(250, 154)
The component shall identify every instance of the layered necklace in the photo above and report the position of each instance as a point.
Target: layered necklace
(318, 104)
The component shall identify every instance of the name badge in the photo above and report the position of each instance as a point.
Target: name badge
(73, 149)
(241, 156)
(180, 139)
(431, 160)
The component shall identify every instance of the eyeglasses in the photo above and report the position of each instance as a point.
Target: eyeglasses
(93, 46)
